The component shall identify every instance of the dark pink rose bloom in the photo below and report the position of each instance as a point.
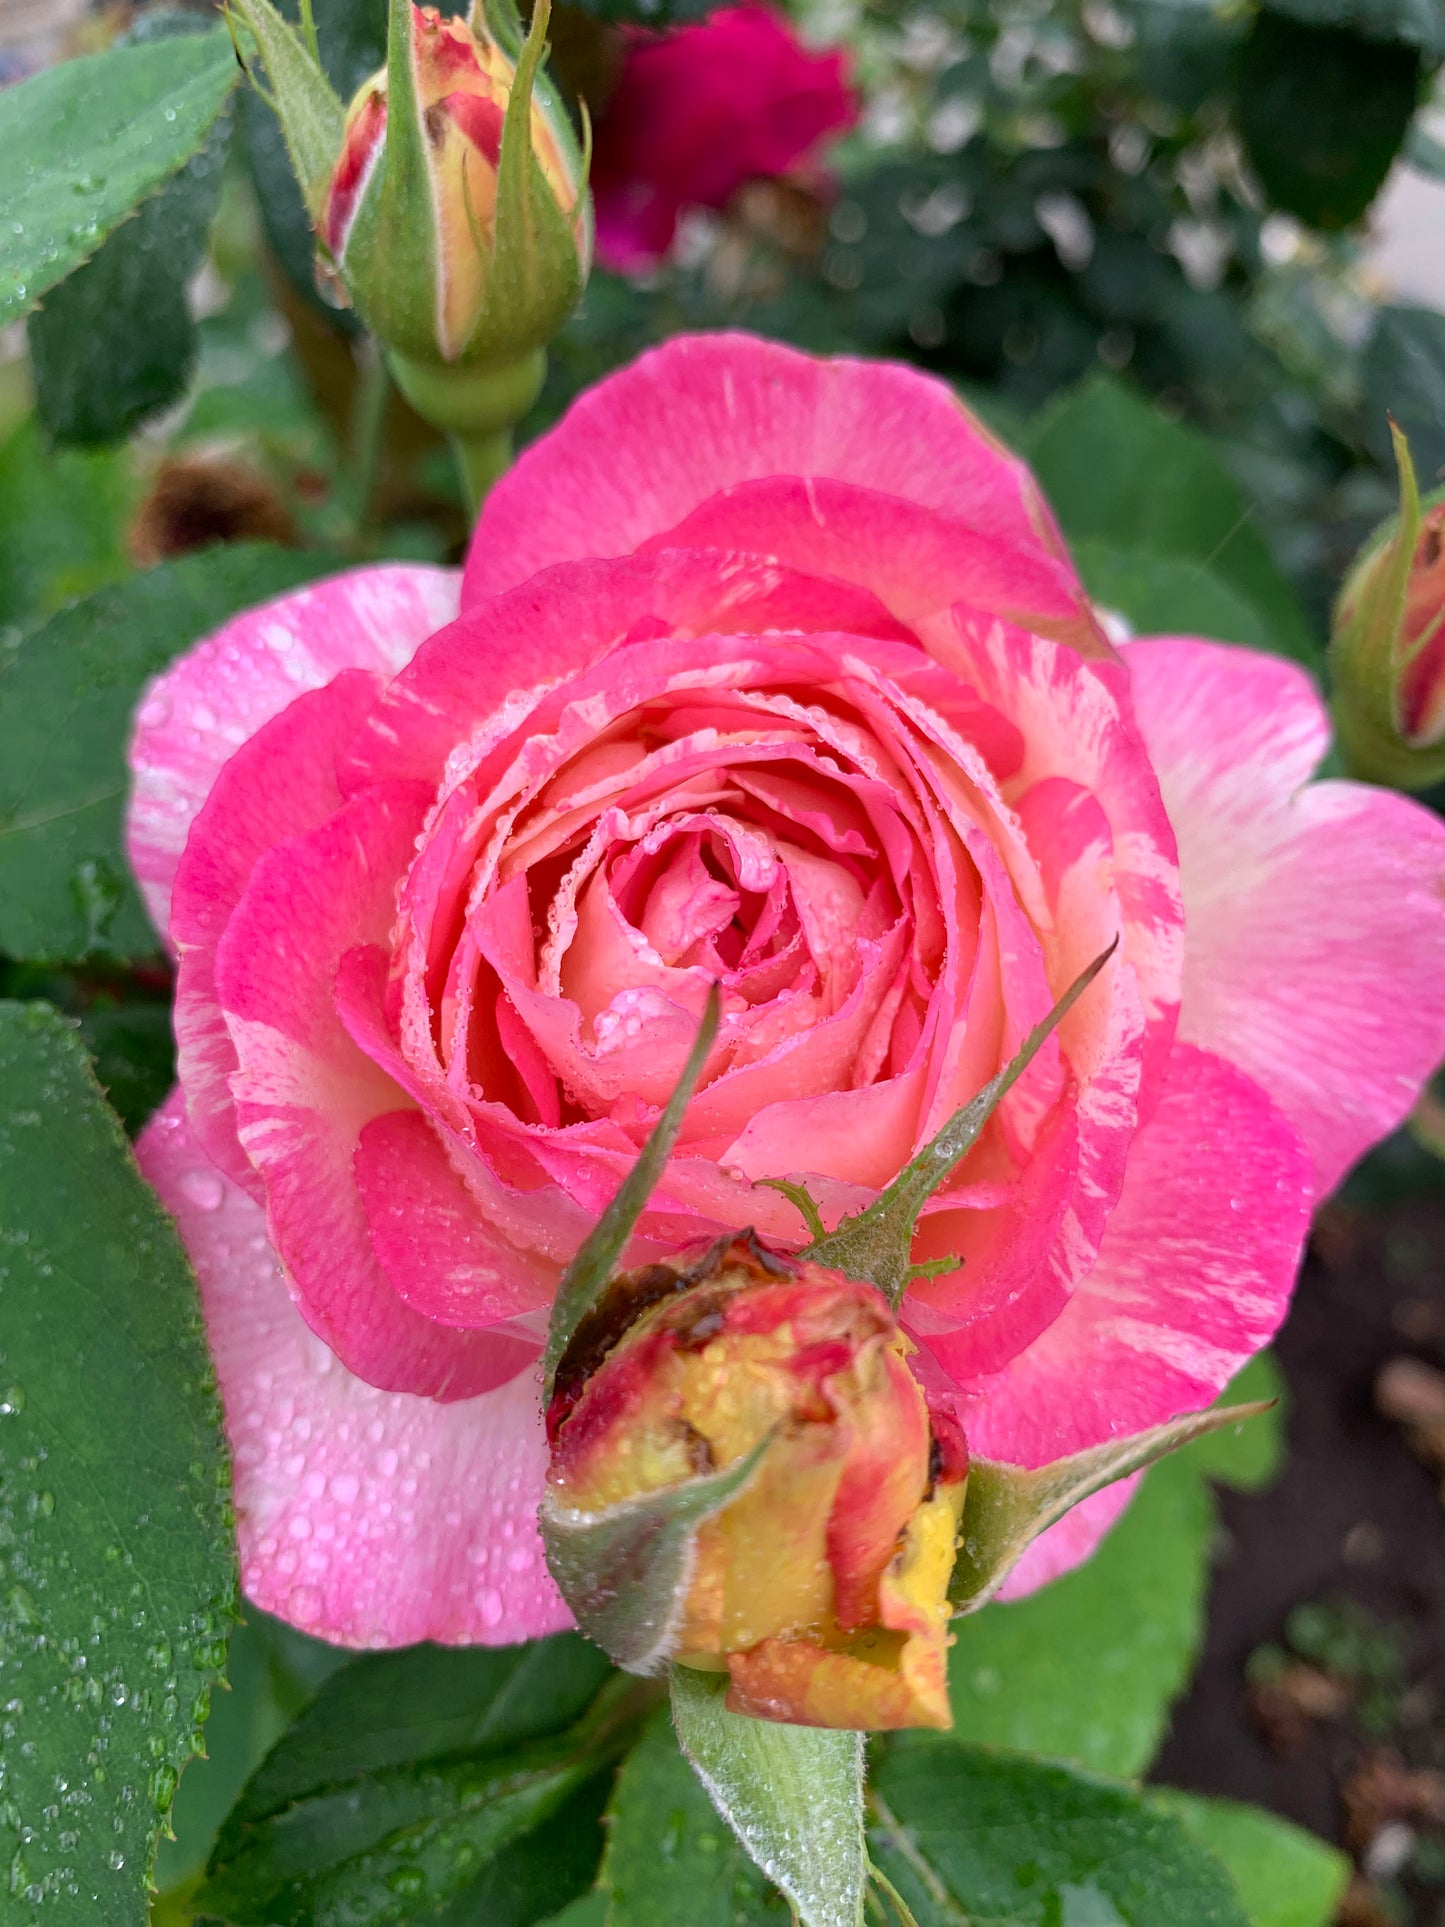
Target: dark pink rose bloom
(771, 672)
(698, 113)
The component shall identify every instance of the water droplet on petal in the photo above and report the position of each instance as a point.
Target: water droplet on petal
(204, 1189)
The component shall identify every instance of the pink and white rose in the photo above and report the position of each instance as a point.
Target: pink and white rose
(771, 671)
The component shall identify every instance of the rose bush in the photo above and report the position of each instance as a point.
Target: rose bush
(775, 672)
(699, 112)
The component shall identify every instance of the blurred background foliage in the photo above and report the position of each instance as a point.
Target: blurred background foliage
(1056, 204)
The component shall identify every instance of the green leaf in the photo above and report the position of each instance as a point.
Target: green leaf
(66, 696)
(1322, 114)
(792, 1794)
(1248, 1456)
(540, 1871)
(124, 1023)
(1006, 1507)
(875, 1244)
(431, 1779)
(504, 1840)
(669, 1857)
(1117, 472)
(424, 1703)
(1405, 379)
(1168, 595)
(117, 1574)
(999, 1840)
(352, 39)
(246, 1719)
(115, 342)
(1086, 1669)
(589, 1911)
(132, 1047)
(588, 1273)
(62, 523)
(1414, 23)
(1284, 1876)
(84, 143)
(624, 1571)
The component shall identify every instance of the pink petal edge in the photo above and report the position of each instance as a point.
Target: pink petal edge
(367, 1518)
(304, 1091)
(647, 446)
(196, 714)
(279, 784)
(1315, 912)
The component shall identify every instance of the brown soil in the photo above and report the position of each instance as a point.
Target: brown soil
(1336, 1718)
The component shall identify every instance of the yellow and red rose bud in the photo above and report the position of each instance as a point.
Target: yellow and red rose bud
(449, 200)
(814, 1565)
(1387, 649)
(447, 262)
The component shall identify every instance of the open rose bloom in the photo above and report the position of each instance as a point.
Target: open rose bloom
(774, 672)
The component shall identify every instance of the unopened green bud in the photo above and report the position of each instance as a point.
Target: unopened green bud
(1387, 647)
(456, 213)
(449, 201)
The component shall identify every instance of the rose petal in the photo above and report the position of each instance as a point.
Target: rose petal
(1194, 1277)
(368, 1518)
(1316, 953)
(484, 673)
(699, 112)
(198, 712)
(304, 1091)
(278, 784)
(1075, 721)
(918, 562)
(644, 448)
(440, 1253)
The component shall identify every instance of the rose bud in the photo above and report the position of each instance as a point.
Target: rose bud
(450, 206)
(1387, 650)
(815, 1572)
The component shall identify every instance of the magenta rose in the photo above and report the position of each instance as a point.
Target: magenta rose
(770, 672)
(699, 112)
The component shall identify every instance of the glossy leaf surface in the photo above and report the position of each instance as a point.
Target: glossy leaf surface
(117, 1569)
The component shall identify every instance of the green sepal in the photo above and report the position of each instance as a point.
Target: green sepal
(532, 259)
(624, 1571)
(1365, 657)
(1371, 609)
(536, 273)
(393, 264)
(793, 1795)
(875, 1245)
(311, 114)
(1007, 1507)
(502, 19)
(587, 1275)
